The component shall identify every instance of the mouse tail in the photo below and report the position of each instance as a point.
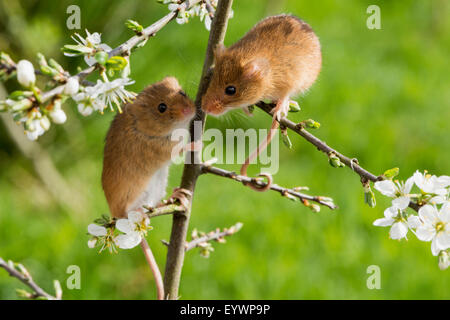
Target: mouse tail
(256, 153)
(154, 268)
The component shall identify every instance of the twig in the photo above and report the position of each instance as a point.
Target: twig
(26, 278)
(192, 169)
(125, 48)
(283, 191)
(213, 236)
(210, 236)
(322, 146)
(164, 210)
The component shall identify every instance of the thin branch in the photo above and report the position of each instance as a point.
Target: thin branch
(192, 169)
(304, 198)
(322, 146)
(216, 235)
(26, 278)
(125, 48)
(164, 210)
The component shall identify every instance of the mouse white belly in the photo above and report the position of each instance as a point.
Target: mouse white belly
(155, 190)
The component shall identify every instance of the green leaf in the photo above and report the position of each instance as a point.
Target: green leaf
(134, 25)
(391, 173)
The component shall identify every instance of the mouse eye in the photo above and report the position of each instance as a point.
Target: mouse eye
(230, 90)
(182, 93)
(162, 107)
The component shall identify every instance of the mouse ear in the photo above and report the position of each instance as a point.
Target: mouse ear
(256, 68)
(218, 50)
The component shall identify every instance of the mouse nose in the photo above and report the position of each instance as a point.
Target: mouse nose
(187, 111)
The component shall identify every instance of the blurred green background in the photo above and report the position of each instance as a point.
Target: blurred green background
(383, 97)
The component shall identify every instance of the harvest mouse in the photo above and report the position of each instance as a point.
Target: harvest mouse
(138, 147)
(277, 59)
(138, 151)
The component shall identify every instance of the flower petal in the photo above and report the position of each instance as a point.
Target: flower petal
(96, 230)
(428, 214)
(128, 241)
(414, 222)
(443, 240)
(135, 217)
(434, 247)
(398, 230)
(425, 234)
(124, 225)
(401, 203)
(383, 222)
(408, 185)
(386, 187)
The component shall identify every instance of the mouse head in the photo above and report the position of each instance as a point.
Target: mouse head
(234, 83)
(161, 108)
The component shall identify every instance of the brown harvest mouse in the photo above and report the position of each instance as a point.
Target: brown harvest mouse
(138, 152)
(277, 59)
(138, 147)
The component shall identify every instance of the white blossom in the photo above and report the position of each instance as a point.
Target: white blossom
(97, 232)
(25, 73)
(435, 227)
(395, 218)
(394, 190)
(34, 130)
(134, 228)
(432, 184)
(90, 44)
(113, 92)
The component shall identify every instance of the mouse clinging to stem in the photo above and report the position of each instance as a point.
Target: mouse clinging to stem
(138, 151)
(277, 59)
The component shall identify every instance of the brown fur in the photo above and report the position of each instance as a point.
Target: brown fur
(138, 142)
(279, 57)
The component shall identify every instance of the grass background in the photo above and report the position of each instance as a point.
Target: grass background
(382, 97)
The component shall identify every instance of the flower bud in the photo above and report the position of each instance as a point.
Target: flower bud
(84, 109)
(335, 161)
(25, 73)
(101, 57)
(57, 114)
(369, 197)
(444, 260)
(22, 105)
(45, 123)
(71, 86)
(312, 124)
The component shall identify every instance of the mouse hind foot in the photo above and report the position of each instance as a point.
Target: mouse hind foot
(281, 108)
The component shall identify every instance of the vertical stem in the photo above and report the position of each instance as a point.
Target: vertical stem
(192, 169)
(154, 268)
